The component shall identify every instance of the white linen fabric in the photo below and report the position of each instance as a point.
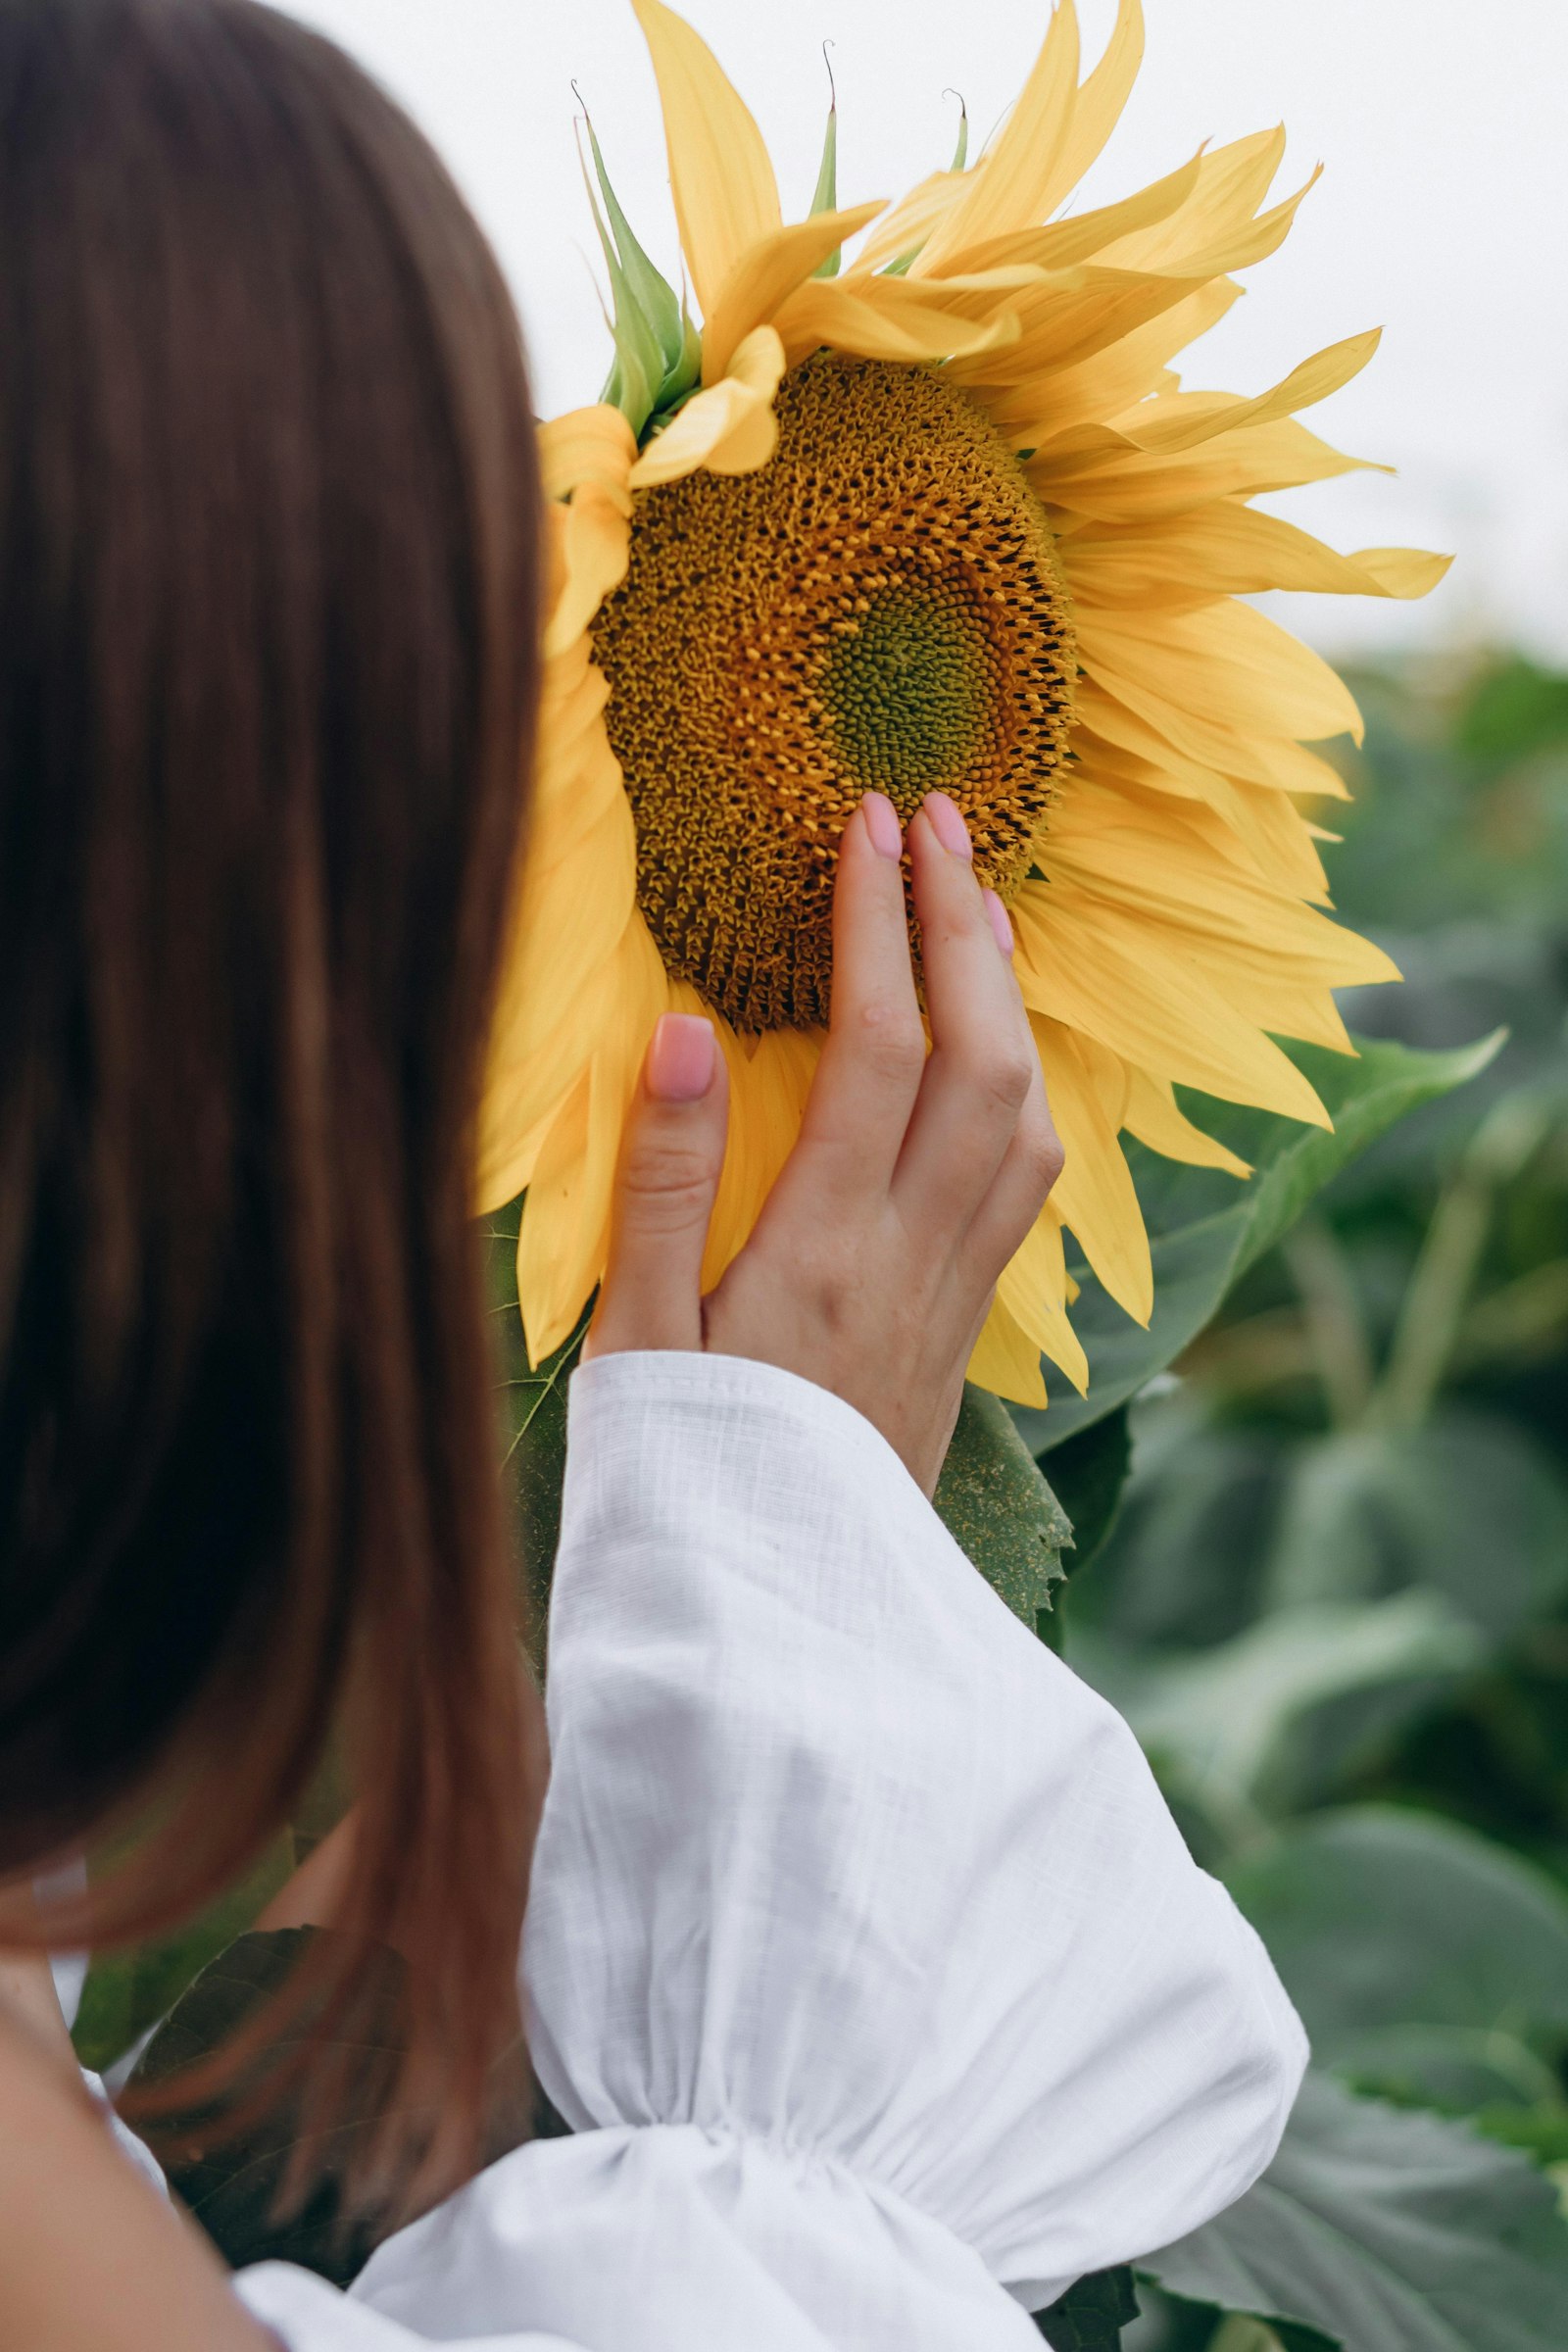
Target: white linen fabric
(862, 1956)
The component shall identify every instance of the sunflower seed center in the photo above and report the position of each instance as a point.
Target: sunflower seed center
(879, 607)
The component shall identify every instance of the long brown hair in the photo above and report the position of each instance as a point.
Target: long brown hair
(269, 577)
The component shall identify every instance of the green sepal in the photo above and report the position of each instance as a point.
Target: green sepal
(687, 374)
(638, 365)
(826, 196)
(652, 334)
(650, 291)
(960, 153)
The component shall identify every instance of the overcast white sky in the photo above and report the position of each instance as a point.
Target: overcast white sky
(1442, 216)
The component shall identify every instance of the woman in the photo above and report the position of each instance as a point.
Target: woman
(862, 1954)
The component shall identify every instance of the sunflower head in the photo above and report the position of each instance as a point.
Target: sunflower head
(930, 511)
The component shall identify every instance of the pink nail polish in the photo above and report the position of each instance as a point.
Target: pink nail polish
(681, 1059)
(1000, 923)
(882, 823)
(947, 825)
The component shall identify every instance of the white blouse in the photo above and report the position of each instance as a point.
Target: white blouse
(863, 1956)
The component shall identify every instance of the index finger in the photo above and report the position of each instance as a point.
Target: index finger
(869, 1073)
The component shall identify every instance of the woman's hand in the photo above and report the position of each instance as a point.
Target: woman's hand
(915, 1178)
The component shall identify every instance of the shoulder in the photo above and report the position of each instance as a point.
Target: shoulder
(89, 2253)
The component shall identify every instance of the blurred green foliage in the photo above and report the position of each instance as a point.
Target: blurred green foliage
(1320, 1561)
(1334, 1598)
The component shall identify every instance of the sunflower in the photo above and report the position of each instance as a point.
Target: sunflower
(937, 515)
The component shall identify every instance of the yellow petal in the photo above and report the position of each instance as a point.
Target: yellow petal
(1249, 242)
(1279, 842)
(594, 444)
(1083, 238)
(728, 428)
(1034, 1290)
(1099, 102)
(523, 1093)
(1153, 1009)
(507, 1156)
(1228, 549)
(766, 273)
(1010, 187)
(769, 1079)
(1153, 860)
(1401, 571)
(1224, 670)
(592, 538)
(1113, 380)
(887, 319)
(1232, 182)
(1154, 1118)
(1195, 416)
(726, 197)
(1248, 825)
(1006, 1360)
(1272, 959)
(1094, 1192)
(1134, 485)
(1109, 738)
(910, 220)
(568, 940)
(1069, 318)
(564, 1237)
(578, 785)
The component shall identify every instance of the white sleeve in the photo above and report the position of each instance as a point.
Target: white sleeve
(863, 1956)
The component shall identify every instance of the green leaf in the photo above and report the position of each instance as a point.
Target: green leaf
(1087, 1477)
(1229, 1725)
(128, 1990)
(1183, 1566)
(1197, 1264)
(231, 2182)
(533, 1424)
(1457, 2070)
(1389, 2230)
(1467, 1504)
(1378, 1918)
(1091, 2316)
(997, 1506)
(1541, 2132)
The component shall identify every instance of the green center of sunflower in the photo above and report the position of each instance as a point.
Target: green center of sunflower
(880, 606)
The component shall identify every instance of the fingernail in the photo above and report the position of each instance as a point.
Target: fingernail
(947, 825)
(1000, 922)
(882, 823)
(681, 1059)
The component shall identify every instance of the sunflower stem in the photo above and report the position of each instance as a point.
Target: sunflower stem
(1336, 1327)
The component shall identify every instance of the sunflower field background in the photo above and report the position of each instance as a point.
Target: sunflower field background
(1331, 1589)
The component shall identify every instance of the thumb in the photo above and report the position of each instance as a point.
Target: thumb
(671, 1155)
